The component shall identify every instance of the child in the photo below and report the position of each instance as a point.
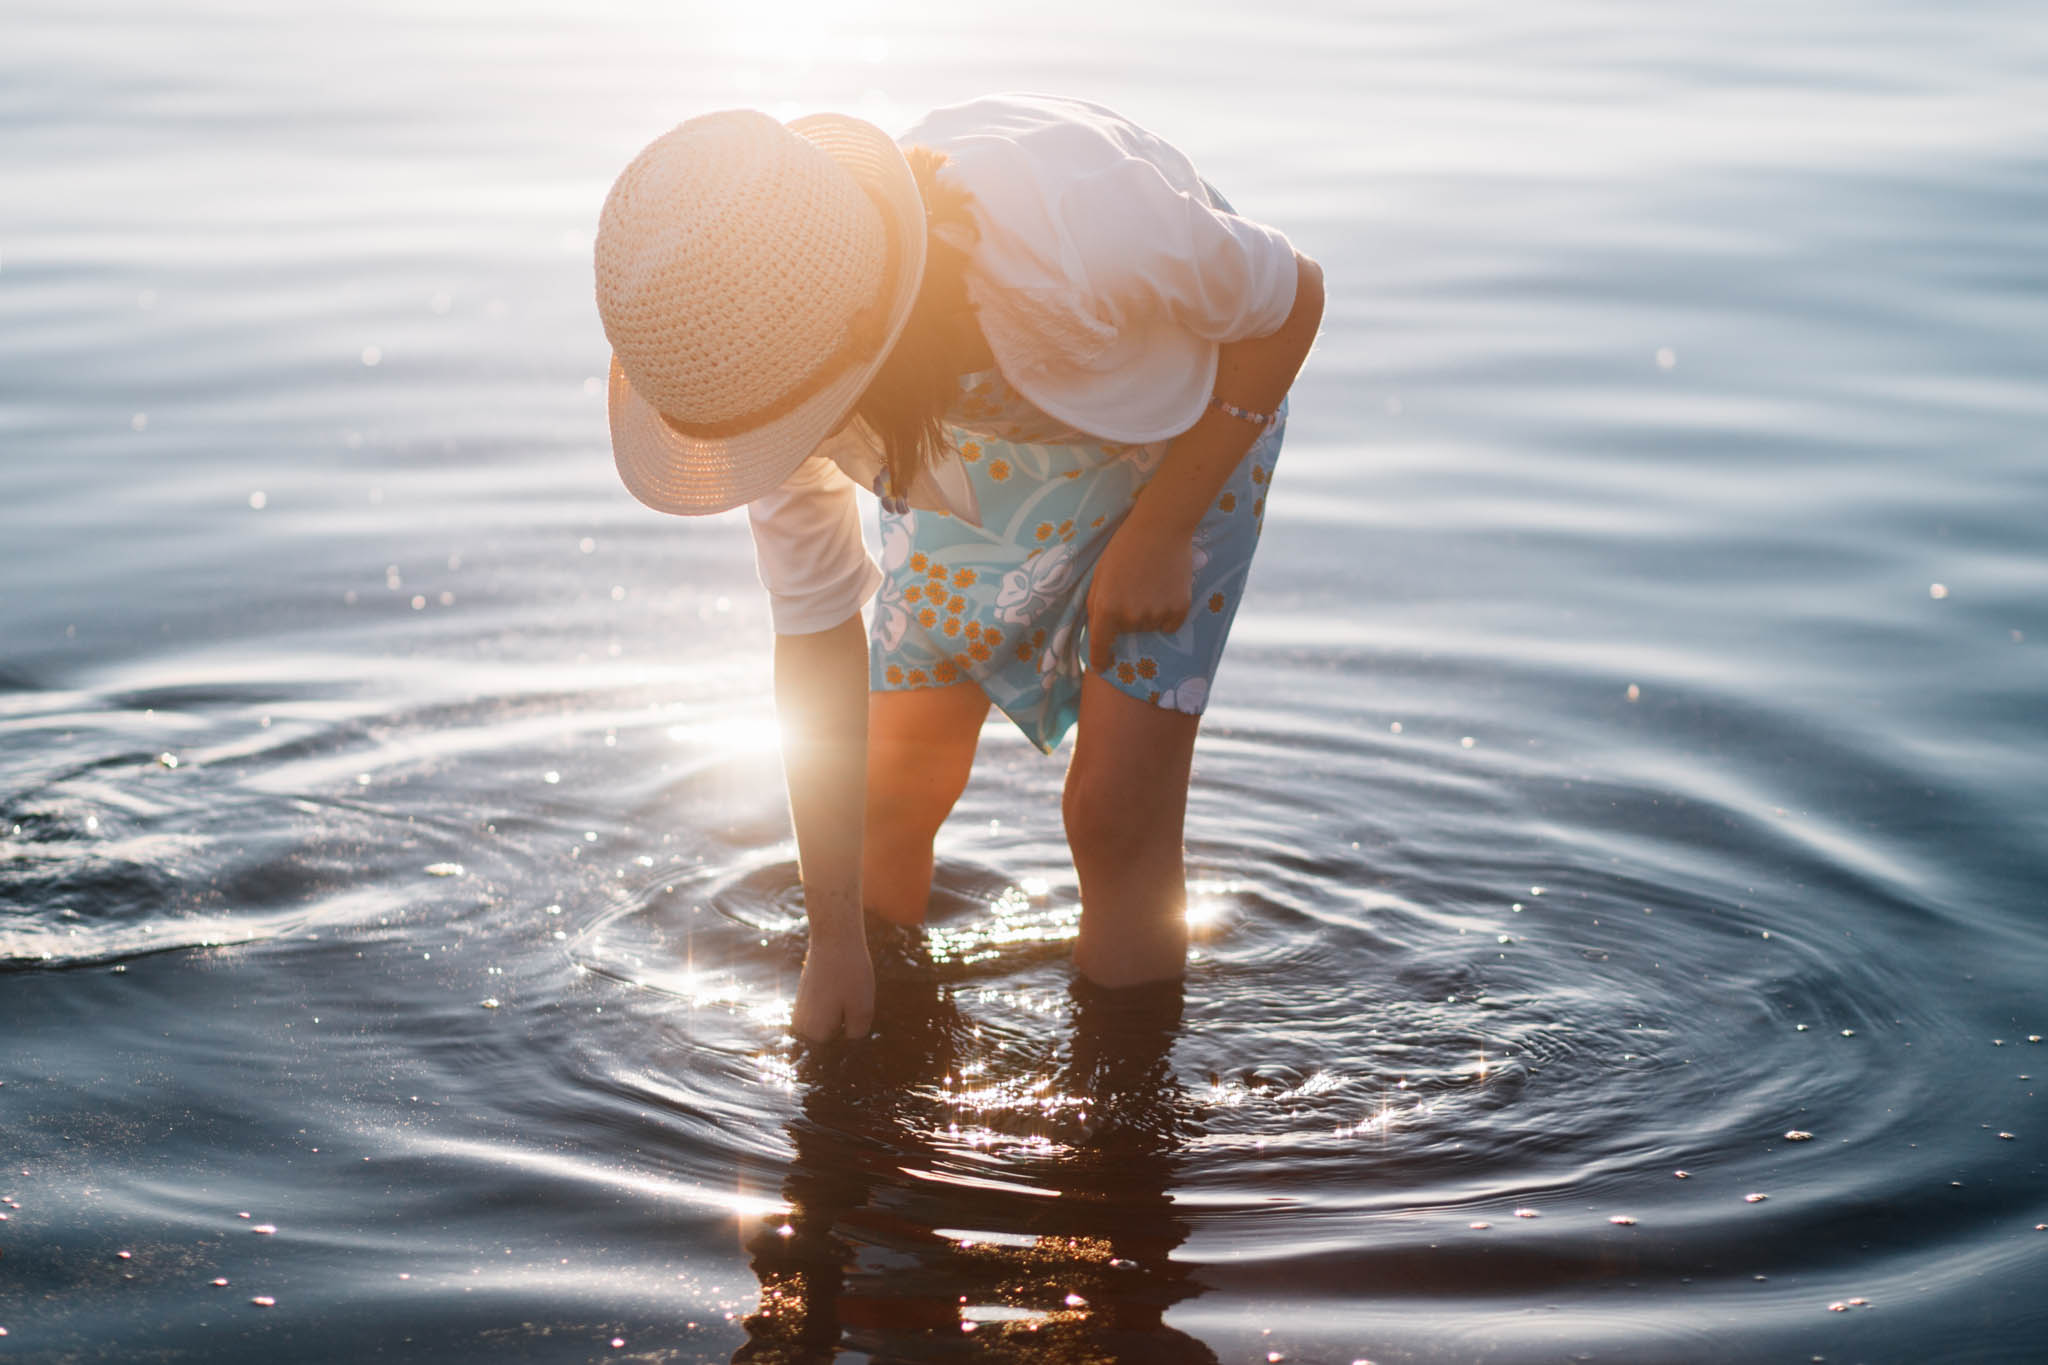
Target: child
(1059, 360)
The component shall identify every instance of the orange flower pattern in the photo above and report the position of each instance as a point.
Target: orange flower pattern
(1004, 604)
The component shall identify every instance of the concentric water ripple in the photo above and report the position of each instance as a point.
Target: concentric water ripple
(1531, 1060)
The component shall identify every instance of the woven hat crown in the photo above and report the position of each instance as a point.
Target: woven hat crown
(733, 258)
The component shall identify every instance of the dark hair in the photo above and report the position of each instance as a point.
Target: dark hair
(906, 401)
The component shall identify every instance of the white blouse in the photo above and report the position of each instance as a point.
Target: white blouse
(1104, 279)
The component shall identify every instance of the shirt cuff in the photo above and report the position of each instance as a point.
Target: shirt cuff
(808, 550)
(824, 608)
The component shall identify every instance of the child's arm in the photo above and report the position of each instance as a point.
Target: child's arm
(1146, 573)
(821, 701)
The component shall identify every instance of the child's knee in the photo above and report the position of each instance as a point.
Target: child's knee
(1107, 817)
(904, 803)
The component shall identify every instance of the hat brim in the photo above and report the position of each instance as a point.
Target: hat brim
(687, 475)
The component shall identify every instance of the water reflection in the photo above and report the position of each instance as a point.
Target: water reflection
(897, 1243)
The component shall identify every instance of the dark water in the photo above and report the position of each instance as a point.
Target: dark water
(1633, 752)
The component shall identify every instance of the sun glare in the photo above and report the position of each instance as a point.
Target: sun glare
(1209, 901)
(793, 57)
(746, 734)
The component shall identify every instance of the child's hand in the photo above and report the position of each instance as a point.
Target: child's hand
(837, 991)
(1145, 580)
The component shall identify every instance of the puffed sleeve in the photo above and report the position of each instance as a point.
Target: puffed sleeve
(808, 549)
(1156, 247)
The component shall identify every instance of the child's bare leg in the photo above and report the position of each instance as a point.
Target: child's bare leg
(920, 752)
(1126, 801)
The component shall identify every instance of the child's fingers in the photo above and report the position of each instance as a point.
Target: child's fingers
(1101, 649)
(1102, 633)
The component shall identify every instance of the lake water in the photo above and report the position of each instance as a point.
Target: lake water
(1634, 749)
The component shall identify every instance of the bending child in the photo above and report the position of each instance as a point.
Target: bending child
(1059, 360)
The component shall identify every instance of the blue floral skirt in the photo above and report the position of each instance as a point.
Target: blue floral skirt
(1003, 604)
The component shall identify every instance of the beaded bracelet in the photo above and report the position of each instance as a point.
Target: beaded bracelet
(894, 503)
(1264, 419)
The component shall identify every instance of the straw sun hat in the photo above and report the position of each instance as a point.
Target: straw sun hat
(751, 277)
